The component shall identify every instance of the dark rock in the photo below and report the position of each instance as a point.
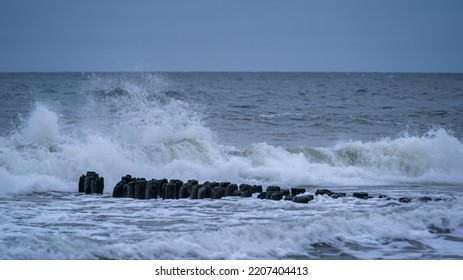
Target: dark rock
(405, 200)
(204, 192)
(256, 189)
(296, 191)
(193, 182)
(245, 187)
(361, 195)
(273, 189)
(91, 183)
(161, 184)
(330, 193)
(262, 195)
(438, 230)
(224, 184)
(382, 196)
(99, 185)
(218, 192)
(338, 195)
(129, 190)
(81, 183)
(303, 199)
(185, 190)
(324, 192)
(276, 196)
(151, 189)
(178, 184)
(236, 193)
(169, 190)
(118, 190)
(230, 188)
(289, 197)
(425, 199)
(246, 193)
(139, 187)
(194, 191)
(88, 181)
(285, 192)
(214, 185)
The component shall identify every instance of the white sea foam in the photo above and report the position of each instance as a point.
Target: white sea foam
(90, 227)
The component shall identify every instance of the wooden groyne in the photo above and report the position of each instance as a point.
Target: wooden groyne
(140, 188)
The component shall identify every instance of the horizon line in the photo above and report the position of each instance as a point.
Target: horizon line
(222, 71)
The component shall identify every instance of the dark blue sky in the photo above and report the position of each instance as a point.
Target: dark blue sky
(234, 35)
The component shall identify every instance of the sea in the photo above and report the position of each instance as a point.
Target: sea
(392, 135)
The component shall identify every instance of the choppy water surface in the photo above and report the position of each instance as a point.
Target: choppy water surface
(398, 135)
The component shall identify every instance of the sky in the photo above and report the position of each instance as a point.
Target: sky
(231, 35)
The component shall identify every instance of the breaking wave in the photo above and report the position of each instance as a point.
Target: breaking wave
(128, 129)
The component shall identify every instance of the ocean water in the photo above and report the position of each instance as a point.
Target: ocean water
(392, 134)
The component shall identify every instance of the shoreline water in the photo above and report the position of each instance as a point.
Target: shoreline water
(73, 226)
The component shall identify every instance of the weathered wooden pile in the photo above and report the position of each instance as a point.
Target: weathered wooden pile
(91, 183)
(140, 188)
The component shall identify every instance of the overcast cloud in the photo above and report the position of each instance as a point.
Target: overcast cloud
(235, 35)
